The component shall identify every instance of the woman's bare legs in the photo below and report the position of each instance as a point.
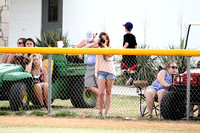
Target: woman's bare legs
(109, 85)
(101, 86)
(45, 88)
(150, 95)
(38, 93)
(96, 91)
(160, 95)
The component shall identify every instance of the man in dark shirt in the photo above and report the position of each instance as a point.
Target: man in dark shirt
(129, 62)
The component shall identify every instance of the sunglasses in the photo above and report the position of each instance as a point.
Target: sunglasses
(19, 43)
(174, 67)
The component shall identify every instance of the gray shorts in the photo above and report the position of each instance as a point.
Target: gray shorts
(90, 79)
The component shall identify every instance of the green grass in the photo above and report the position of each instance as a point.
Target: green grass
(4, 104)
(4, 113)
(38, 113)
(121, 107)
(66, 113)
(123, 102)
(20, 113)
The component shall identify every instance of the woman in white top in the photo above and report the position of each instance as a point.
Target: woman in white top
(104, 71)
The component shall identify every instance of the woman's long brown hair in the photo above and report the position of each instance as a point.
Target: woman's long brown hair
(105, 34)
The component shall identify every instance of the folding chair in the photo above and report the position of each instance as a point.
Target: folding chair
(45, 64)
(141, 91)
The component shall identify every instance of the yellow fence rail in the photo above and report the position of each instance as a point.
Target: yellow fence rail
(114, 51)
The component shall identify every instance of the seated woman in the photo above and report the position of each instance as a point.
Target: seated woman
(31, 43)
(9, 57)
(40, 77)
(192, 106)
(159, 87)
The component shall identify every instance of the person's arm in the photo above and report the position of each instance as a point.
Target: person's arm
(135, 46)
(161, 78)
(26, 55)
(92, 45)
(125, 42)
(29, 66)
(126, 45)
(11, 59)
(81, 44)
(4, 58)
(135, 42)
(44, 70)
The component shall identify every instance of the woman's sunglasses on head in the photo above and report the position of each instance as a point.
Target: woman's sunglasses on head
(19, 43)
(174, 67)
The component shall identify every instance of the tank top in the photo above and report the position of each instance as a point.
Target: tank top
(38, 79)
(157, 84)
(91, 59)
(105, 66)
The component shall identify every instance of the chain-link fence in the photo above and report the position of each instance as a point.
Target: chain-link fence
(126, 97)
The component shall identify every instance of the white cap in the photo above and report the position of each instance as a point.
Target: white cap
(89, 36)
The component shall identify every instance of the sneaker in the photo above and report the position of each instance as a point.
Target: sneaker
(129, 81)
(132, 86)
(99, 114)
(106, 114)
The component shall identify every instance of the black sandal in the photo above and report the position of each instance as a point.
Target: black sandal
(43, 108)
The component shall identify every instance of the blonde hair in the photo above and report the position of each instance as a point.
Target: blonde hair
(37, 55)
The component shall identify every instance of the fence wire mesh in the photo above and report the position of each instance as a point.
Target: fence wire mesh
(68, 92)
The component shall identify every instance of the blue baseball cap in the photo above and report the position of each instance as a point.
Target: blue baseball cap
(128, 26)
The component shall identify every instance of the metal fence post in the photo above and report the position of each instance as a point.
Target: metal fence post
(188, 88)
(49, 82)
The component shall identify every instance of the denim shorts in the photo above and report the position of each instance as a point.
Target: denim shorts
(152, 87)
(104, 75)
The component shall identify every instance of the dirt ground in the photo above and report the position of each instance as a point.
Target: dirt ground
(97, 123)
